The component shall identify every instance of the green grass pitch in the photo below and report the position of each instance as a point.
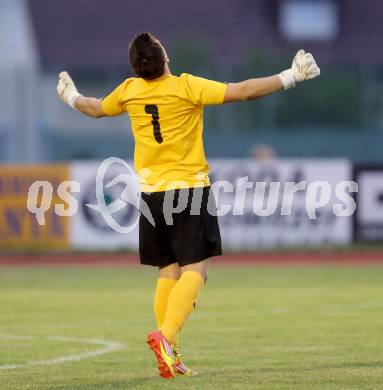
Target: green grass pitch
(255, 327)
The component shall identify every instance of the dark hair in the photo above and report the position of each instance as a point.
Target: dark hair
(146, 56)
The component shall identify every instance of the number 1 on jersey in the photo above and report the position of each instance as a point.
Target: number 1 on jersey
(152, 109)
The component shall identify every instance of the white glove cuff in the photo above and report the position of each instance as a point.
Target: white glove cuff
(288, 79)
(72, 99)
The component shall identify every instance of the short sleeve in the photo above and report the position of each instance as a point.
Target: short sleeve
(111, 103)
(205, 92)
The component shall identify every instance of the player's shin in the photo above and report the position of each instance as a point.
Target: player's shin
(180, 303)
(163, 289)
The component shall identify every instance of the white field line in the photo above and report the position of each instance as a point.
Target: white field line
(108, 346)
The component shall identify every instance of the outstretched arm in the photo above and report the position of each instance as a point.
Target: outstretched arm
(303, 68)
(68, 93)
(252, 89)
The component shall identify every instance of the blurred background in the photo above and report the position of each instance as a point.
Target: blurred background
(338, 116)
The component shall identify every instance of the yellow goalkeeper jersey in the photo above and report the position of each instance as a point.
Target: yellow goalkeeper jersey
(167, 123)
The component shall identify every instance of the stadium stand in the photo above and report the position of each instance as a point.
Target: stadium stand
(92, 23)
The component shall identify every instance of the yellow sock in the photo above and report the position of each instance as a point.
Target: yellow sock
(180, 303)
(163, 289)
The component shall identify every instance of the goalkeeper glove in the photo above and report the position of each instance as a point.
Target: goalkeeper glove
(303, 68)
(66, 89)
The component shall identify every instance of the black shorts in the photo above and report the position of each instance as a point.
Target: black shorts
(184, 237)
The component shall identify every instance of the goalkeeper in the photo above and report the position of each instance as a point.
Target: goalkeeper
(166, 113)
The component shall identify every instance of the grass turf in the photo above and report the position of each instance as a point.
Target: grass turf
(292, 327)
